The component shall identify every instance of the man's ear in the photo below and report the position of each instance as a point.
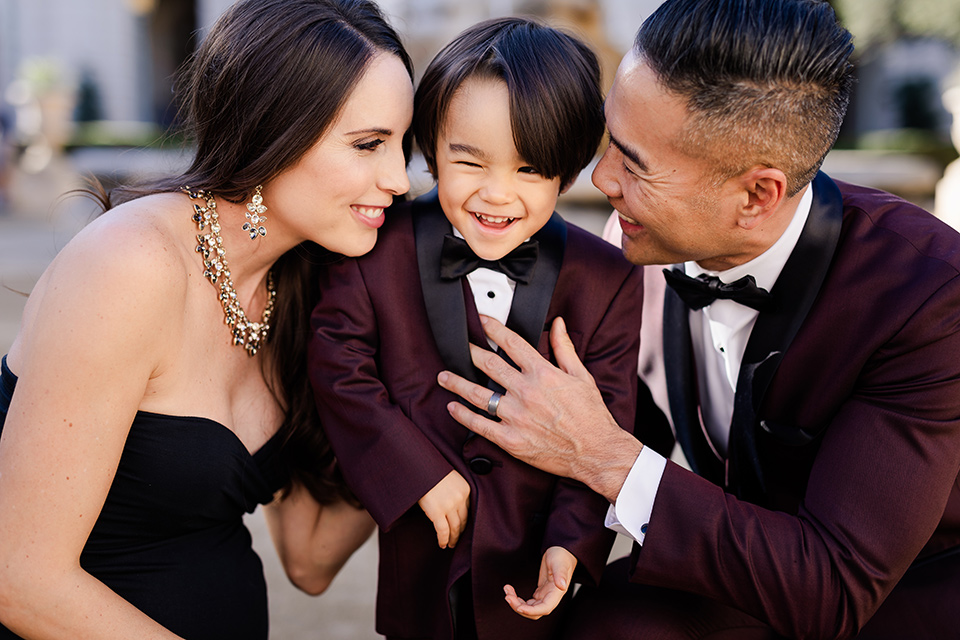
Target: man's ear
(764, 189)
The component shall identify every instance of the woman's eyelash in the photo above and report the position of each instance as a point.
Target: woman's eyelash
(368, 146)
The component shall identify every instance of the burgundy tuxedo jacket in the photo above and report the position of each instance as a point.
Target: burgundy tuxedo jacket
(839, 503)
(385, 326)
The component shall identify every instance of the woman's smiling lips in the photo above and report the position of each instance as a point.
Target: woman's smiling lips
(371, 216)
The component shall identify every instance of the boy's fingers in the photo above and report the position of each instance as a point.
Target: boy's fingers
(443, 531)
(456, 527)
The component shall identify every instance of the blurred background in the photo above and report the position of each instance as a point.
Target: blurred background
(85, 89)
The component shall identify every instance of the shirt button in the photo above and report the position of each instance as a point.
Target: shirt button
(643, 529)
(491, 294)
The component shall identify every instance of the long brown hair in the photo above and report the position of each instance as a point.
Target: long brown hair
(265, 84)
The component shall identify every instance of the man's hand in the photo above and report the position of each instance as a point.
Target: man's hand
(552, 418)
(556, 572)
(447, 505)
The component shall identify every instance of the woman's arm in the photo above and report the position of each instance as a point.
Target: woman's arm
(90, 341)
(314, 541)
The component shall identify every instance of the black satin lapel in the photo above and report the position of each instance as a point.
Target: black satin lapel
(443, 298)
(531, 301)
(795, 291)
(682, 389)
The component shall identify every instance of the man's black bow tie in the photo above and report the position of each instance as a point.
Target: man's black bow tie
(458, 259)
(700, 291)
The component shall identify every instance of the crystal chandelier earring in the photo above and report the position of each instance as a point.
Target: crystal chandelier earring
(255, 217)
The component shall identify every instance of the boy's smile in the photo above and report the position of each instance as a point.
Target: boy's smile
(493, 197)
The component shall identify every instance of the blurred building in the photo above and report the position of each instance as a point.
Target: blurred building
(112, 62)
(117, 57)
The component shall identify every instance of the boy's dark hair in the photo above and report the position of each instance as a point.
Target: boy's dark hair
(766, 81)
(553, 79)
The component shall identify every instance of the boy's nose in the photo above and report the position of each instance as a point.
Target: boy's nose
(497, 191)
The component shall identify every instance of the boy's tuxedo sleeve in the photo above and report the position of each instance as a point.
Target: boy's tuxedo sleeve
(387, 461)
(576, 521)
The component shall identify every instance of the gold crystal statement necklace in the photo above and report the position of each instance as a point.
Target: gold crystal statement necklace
(250, 335)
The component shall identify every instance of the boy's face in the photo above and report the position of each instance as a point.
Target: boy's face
(487, 191)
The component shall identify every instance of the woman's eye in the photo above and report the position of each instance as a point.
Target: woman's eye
(369, 146)
(468, 164)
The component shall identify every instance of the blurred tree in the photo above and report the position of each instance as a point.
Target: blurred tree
(878, 22)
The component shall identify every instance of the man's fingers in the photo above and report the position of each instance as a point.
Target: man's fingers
(478, 396)
(513, 345)
(483, 427)
(495, 367)
(564, 351)
(473, 393)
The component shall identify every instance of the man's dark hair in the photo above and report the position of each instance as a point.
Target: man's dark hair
(553, 79)
(766, 81)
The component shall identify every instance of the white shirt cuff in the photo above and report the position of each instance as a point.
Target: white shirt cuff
(630, 514)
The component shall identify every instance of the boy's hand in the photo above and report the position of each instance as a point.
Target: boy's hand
(447, 505)
(556, 572)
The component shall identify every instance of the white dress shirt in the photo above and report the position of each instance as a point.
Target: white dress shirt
(492, 292)
(719, 333)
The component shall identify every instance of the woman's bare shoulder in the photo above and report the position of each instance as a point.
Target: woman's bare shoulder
(126, 272)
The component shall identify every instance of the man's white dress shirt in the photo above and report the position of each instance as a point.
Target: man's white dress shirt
(719, 333)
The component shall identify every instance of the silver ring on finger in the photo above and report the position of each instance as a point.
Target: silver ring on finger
(494, 403)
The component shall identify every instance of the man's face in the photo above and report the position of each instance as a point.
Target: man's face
(671, 207)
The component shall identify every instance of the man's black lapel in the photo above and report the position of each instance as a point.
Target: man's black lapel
(682, 390)
(794, 293)
(443, 298)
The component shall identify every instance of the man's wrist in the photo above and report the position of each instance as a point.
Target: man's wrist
(606, 471)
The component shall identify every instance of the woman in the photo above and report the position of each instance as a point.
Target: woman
(139, 427)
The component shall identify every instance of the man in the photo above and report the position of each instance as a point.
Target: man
(817, 400)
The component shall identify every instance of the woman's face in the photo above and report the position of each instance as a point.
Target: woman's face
(335, 195)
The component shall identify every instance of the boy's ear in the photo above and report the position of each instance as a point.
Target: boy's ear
(566, 186)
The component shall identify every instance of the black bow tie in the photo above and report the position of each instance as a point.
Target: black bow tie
(700, 291)
(458, 259)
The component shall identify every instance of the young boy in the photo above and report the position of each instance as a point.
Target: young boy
(506, 116)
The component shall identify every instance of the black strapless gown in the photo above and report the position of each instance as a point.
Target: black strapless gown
(170, 539)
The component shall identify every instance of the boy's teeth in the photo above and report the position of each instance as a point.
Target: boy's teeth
(493, 219)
